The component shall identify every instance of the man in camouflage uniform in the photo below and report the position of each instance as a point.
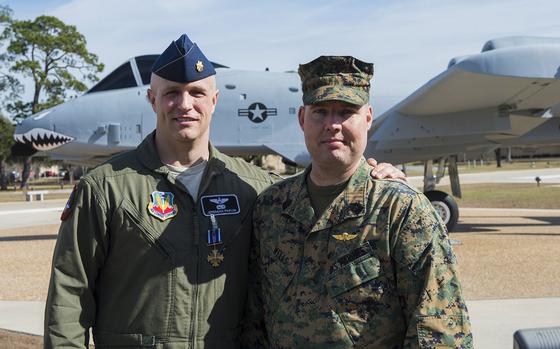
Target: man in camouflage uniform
(153, 246)
(339, 259)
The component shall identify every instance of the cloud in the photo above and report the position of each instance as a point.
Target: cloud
(409, 41)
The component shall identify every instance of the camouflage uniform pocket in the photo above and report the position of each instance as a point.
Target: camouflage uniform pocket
(443, 331)
(352, 275)
(353, 289)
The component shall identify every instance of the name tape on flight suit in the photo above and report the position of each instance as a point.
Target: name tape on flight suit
(220, 205)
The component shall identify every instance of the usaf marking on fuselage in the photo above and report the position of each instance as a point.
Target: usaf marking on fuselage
(257, 112)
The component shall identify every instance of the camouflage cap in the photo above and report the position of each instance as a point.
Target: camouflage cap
(335, 78)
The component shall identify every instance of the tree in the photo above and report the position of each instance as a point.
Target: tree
(53, 55)
(10, 87)
(6, 142)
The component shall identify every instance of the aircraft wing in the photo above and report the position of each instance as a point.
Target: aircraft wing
(477, 101)
(506, 77)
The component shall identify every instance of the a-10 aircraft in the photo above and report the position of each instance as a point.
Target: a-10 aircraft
(478, 103)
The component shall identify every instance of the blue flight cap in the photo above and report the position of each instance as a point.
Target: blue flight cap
(183, 62)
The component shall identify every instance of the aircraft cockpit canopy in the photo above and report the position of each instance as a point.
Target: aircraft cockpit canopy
(123, 76)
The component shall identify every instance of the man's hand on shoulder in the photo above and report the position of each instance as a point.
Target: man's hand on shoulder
(385, 170)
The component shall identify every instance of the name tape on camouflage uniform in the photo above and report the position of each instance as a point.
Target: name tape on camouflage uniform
(219, 205)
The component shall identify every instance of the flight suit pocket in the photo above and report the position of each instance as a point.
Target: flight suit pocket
(152, 237)
(123, 340)
(443, 331)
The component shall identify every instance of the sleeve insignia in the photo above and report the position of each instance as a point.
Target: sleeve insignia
(67, 212)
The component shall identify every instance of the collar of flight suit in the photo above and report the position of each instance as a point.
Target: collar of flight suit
(351, 203)
(148, 156)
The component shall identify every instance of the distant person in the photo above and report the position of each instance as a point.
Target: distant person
(339, 259)
(153, 246)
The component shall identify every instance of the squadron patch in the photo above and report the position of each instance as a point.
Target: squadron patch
(162, 205)
(219, 205)
(68, 207)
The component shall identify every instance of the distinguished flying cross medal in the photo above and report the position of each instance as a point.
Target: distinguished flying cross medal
(199, 66)
(215, 257)
(162, 205)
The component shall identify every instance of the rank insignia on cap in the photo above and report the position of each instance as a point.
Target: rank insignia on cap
(162, 205)
(345, 236)
(68, 207)
(199, 66)
(183, 62)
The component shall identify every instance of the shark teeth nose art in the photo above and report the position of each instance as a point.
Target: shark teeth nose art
(42, 139)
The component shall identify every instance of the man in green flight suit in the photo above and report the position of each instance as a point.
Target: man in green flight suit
(153, 246)
(339, 259)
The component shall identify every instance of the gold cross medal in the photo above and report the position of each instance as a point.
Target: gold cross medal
(215, 257)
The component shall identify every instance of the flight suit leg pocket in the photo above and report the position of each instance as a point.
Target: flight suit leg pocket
(443, 331)
(123, 340)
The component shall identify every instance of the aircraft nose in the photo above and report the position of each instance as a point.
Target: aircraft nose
(34, 134)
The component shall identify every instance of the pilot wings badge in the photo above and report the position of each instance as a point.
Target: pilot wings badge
(220, 203)
(345, 236)
(162, 205)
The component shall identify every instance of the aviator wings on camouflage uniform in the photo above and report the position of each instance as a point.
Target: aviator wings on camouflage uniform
(376, 270)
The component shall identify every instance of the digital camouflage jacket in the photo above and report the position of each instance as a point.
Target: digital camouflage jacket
(376, 270)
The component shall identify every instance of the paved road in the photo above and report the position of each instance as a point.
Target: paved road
(29, 214)
(548, 175)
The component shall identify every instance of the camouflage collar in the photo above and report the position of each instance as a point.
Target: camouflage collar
(350, 204)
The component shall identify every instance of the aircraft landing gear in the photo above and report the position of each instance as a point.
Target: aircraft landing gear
(445, 206)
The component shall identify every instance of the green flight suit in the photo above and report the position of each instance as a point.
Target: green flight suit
(143, 281)
(375, 270)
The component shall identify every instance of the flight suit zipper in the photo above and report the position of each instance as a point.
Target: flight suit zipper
(194, 306)
(196, 239)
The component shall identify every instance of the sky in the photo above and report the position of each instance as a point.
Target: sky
(409, 41)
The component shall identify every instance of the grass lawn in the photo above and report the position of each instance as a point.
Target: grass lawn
(508, 195)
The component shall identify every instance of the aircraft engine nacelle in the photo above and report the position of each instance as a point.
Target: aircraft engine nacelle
(514, 41)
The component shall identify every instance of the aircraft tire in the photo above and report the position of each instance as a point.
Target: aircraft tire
(445, 206)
